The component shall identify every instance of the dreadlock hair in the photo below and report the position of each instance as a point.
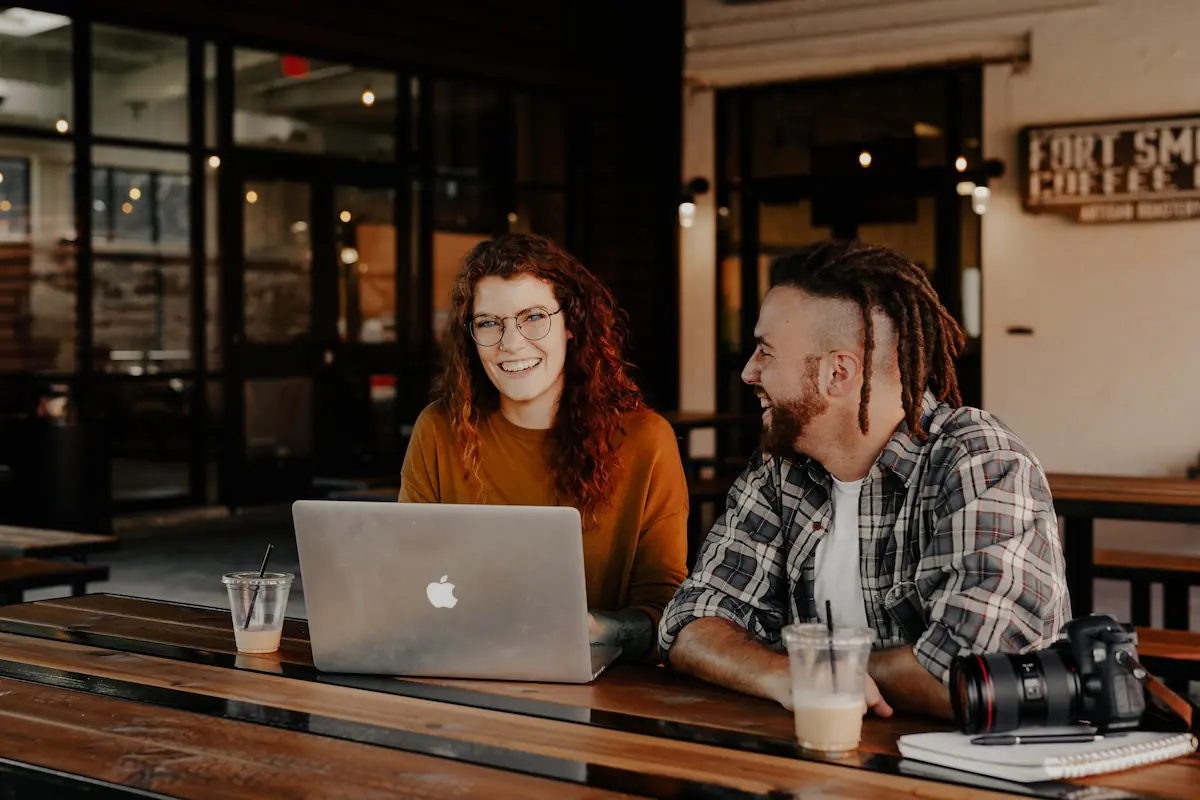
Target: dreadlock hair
(928, 338)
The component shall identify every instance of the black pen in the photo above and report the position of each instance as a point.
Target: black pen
(1037, 738)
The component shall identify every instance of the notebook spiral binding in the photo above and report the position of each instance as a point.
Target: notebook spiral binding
(1119, 758)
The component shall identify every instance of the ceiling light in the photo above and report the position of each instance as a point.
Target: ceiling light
(864, 158)
(214, 161)
(960, 163)
(368, 98)
(62, 126)
(345, 216)
(251, 196)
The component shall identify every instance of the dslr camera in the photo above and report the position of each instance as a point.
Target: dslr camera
(1087, 676)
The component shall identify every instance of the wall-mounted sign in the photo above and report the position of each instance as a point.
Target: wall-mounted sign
(1121, 171)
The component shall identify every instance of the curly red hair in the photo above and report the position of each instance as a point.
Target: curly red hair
(597, 387)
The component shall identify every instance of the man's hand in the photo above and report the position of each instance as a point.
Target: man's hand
(632, 630)
(897, 673)
(875, 701)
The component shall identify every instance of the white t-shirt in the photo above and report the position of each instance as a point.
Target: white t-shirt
(838, 566)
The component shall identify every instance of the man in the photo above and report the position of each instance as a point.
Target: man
(928, 522)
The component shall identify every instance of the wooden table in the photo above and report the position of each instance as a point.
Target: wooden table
(1081, 499)
(39, 543)
(153, 696)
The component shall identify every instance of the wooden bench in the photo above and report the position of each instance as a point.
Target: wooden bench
(19, 575)
(1176, 573)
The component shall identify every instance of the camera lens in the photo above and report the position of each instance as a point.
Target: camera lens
(1000, 691)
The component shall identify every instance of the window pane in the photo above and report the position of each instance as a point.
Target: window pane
(173, 209)
(149, 438)
(278, 261)
(468, 206)
(278, 418)
(37, 258)
(540, 212)
(14, 196)
(141, 303)
(35, 66)
(134, 218)
(311, 106)
(139, 84)
(472, 131)
(541, 139)
(365, 241)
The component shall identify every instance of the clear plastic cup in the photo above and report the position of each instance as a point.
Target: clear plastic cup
(828, 680)
(258, 606)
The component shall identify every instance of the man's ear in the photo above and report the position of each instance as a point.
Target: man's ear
(844, 374)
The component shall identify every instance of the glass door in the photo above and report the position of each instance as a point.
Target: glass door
(311, 381)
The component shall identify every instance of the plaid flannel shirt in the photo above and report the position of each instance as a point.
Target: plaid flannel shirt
(958, 541)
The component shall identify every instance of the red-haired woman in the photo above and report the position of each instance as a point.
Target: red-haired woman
(536, 407)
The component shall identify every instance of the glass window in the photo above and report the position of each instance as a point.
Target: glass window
(306, 105)
(142, 282)
(14, 196)
(148, 433)
(540, 211)
(472, 131)
(35, 69)
(278, 257)
(37, 259)
(365, 241)
(133, 220)
(173, 209)
(541, 139)
(823, 128)
(139, 84)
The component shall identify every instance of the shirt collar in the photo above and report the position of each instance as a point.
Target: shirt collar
(902, 454)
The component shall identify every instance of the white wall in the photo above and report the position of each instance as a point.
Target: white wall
(1109, 382)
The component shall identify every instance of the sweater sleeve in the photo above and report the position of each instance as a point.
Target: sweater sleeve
(660, 560)
(419, 475)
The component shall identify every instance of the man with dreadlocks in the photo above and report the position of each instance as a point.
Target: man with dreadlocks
(874, 489)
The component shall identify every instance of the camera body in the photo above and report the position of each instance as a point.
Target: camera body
(1082, 677)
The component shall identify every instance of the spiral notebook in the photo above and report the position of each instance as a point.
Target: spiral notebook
(1029, 763)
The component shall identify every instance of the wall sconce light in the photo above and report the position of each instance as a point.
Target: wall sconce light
(687, 200)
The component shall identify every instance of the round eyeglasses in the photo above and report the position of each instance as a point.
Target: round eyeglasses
(533, 323)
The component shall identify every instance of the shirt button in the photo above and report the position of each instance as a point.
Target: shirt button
(816, 526)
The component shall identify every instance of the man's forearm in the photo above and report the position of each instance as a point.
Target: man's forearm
(907, 685)
(632, 630)
(717, 651)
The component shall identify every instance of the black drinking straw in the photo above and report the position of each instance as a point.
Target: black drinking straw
(254, 596)
(832, 659)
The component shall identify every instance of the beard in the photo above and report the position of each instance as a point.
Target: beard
(791, 418)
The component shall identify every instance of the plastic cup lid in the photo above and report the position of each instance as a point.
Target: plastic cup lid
(816, 634)
(251, 578)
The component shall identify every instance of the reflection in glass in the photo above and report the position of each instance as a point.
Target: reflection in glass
(36, 69)
(541, 139)
(37, 257)
(278, 418)
(540, 212)
(140, 303)
(278, 261)
(471, 131)
(365, 241)
(148, 438)
(313, 106)
(139, 84)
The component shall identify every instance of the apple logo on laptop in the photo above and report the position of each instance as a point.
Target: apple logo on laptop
(441, 594)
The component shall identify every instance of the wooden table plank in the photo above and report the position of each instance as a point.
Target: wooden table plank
(18, 541)
(642, 754)
(657, 693)
(194, 756)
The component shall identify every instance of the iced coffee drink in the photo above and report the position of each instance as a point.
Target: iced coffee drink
(828, 678)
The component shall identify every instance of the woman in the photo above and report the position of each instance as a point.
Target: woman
(536, 407)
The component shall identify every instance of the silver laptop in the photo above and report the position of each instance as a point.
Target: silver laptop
(449, 591)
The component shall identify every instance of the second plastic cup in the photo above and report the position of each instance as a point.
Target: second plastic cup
(262, 601)
(828, 678)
